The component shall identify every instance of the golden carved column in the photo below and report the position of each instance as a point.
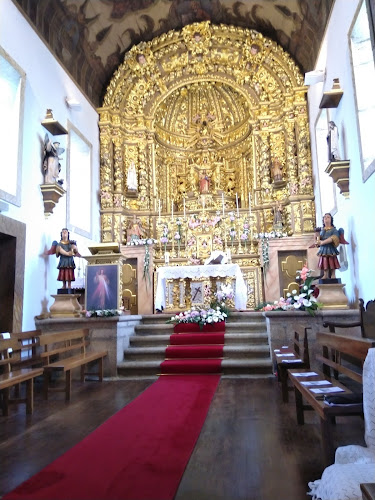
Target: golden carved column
(118, 196)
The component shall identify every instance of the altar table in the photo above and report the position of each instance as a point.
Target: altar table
(209, 271)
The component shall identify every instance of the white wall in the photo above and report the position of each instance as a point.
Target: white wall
(355, 214)
(47, 86)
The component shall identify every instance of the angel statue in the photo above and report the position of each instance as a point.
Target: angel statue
(66, 249)
(51, 164)
(328, 239)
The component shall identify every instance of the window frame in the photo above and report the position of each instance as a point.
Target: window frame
(71, 223)
(368, 170)
(15, 199)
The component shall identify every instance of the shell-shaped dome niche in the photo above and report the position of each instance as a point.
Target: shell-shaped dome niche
(202, 115)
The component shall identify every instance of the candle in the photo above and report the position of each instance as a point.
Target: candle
(222, 201)
(184, 209)
(238, 213)
(172, 209)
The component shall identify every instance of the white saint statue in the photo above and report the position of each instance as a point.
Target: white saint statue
(132, 181)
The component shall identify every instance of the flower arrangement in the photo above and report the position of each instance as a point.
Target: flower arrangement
(305, 300)
(222, 297)
(103, 313)
(201, 316)
(164, 239)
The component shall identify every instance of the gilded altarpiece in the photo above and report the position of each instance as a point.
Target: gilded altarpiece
(205, 145)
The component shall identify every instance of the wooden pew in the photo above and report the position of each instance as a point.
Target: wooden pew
(11, 376)
(366, 321)
(29, 348)
(288, 357)
(338, 345)
(64, 351)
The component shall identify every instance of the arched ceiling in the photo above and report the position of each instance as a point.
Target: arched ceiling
(90, 37)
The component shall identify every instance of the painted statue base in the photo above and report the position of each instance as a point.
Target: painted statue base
(332, 295)
(65, 306)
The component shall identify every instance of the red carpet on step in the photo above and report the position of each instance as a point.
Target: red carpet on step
(138, 454)
(194, 351)
(196, 338)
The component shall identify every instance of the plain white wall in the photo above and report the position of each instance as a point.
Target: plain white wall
(355, 214)
(47, 86)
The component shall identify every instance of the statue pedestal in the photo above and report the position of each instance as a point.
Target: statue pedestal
(332, 295)
(65, 306)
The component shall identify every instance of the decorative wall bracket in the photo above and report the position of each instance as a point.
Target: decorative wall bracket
(339, 171)
(332, 98)
(52, 125)
(51, 195)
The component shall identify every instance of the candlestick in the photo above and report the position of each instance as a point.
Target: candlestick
(172, 209)
(222, 201)
(184, 209)
(249, 205)
(238, 213)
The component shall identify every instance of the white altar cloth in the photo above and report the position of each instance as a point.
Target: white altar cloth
(214, 270)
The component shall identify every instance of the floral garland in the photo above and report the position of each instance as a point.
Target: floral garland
(264, 237)
(136, 241)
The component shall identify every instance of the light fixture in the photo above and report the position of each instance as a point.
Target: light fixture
(313, 77)
(72, 103)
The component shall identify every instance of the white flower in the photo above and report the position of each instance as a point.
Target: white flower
(294, 292)
(297, 305)
(306, 302)
(288, 294)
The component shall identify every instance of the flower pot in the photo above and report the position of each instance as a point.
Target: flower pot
(194, 327)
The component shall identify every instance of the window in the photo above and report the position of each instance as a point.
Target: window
(364, 83)
(12, 87)
(79, 182)
(327, 187)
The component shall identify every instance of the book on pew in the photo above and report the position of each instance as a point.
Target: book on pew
(354, 399)
(327, 390)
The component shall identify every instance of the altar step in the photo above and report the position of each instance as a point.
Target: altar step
(246, 349)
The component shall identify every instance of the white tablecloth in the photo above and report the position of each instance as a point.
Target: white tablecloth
(215, 271)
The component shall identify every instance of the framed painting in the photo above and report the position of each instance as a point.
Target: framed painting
(102, 287)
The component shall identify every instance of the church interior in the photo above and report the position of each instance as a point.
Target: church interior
(156, 154)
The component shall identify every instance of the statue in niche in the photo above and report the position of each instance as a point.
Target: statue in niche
(276, 170)
(204, 183)
(230, 183)
(135, 230)
(51, 164)
(278, 216)
(333, 142)
(131, 180)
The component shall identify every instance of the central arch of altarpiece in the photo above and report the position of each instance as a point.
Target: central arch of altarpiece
(204, 132)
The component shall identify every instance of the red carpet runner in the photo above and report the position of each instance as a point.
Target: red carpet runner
(194, 353)
(138, 454)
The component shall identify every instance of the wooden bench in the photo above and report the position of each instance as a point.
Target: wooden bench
(11, 376)
(287, 357)
(366, 321)
(29, 348)
(333, 347)
(64, 351)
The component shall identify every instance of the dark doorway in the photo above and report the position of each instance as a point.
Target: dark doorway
(7, 282)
